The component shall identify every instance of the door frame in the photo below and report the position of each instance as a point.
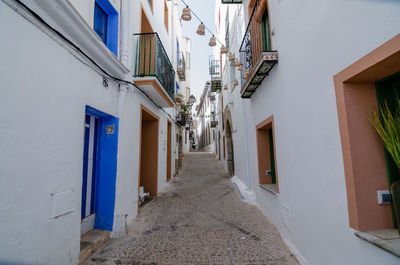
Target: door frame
(157, 119)
(106, 168)
(169, 150)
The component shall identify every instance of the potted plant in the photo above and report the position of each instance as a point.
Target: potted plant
(387, 124)
(178, 98)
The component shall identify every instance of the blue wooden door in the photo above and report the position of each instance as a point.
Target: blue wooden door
(89, 166)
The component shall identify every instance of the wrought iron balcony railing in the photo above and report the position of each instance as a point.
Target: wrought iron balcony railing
(181, 119)
(232, 1)
(255, 51)
(215, 74)
(181, 66)
(152, 61)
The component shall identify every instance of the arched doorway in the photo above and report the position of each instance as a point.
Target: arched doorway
(229, 146)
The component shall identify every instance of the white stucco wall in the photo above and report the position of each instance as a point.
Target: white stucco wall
(46, 88)
(314, 41)
(42, 141)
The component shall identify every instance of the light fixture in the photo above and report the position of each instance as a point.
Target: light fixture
(201, 30)
(231, 57)
(237, 63)
(213, 41)
(223, 49)
(240, 68)
(246, 74)
(235, 83)
(186, 14)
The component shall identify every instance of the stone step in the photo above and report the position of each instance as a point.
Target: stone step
(91, 242)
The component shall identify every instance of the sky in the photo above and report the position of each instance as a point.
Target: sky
(204, 9)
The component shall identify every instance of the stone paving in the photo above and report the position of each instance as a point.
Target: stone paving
(198, 219)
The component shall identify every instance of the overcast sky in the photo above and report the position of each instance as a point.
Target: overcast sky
(200, 49)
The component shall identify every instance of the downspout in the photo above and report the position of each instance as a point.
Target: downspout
(124, 51)
(246, 152)
(124, 34)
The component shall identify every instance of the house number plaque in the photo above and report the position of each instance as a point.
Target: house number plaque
(110, 129)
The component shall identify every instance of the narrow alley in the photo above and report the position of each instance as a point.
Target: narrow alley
(198, 219)
(212, 132)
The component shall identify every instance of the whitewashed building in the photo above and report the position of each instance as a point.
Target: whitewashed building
(295, 126)
(206, 119)
(87, 114)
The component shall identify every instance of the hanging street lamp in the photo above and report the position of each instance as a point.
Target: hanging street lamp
(212, 42)
(201, 29)
(186, 14)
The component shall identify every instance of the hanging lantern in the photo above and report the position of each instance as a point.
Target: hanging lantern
(240, 68)
(231, 57)
(246, 74)
(235, 83)
(201, 30)
(225, 87)
(223, 50)
(237, 63)
(213, 41)
(186, 14)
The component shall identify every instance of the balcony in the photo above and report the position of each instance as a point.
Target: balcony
(181, 66)
(181, 119)
(154, 73)
(215, 73)
(255, 51)
(231, 1)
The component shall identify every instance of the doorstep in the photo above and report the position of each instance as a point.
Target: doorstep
(387, 239)
(92, 241)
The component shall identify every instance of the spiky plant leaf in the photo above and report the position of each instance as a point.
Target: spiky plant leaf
(387, 124)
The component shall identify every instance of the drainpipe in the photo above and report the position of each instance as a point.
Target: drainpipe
(124, 34)
(246, 146)
(124, 50)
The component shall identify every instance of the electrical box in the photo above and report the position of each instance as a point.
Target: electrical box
(62, 203)
(384, 197)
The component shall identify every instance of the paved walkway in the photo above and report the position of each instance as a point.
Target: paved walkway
(198, 219)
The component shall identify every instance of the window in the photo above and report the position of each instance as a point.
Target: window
(265, 27)
(388, 91)
(267, 174)
(100, 22)
(105, 24)
(166, 18)
(358, 90)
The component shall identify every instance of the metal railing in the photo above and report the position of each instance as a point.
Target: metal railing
(152, 61)
(181, 66)
(256, 40)
(231, 1)
(214, 68)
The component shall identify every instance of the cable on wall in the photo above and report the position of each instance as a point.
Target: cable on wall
(59, 34)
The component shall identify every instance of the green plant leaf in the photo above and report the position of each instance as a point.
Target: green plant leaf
(387, 125)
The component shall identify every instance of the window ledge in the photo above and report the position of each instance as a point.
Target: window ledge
(387, 239)
(269, 187)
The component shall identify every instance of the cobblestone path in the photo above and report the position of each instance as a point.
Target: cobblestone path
(198, 219)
